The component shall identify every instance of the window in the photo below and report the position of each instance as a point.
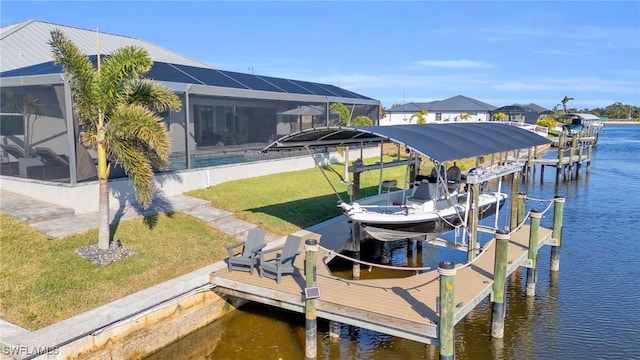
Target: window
(438, 116)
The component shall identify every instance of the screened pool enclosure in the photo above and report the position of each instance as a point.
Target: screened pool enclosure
(224, 114)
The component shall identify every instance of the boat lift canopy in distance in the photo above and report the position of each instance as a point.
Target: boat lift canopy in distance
(438, 142)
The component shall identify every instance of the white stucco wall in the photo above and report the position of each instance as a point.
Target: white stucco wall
(405, 118)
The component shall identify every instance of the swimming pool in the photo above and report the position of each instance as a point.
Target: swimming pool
(206, 160)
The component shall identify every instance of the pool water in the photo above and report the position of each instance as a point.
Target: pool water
(206, 160)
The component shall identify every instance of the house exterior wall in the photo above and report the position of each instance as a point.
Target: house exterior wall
(432, 117)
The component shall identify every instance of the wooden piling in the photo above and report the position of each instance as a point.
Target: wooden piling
(355, 185)
(334, 330)
(447, 271)
(356, 250)
(561, 141)
(580, 153)
(498, 290)
(529, 168)
(558, 213)
(589, 150)
(513, 216)
(572, 154)
(521, 201)
(311, 325)
(532, 275)
(529, 161)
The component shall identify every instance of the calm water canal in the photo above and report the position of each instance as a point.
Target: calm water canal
(590, 309)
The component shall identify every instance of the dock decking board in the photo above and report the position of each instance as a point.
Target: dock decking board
(403, 307)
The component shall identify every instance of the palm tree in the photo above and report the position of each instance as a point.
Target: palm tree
(383, 112)
(30, 108)
(345, 120)
(421, 117)
(465, 116)
(564, 103)
(500, 116)
(343, 113)
(118, 113)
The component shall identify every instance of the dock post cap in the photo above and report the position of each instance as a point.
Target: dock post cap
(502, 234)
(536, 213)
(559, 198)
(446, 268)
(311, 245)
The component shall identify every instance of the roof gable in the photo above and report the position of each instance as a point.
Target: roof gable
(459, 103)
(515, 108)
(537, 107)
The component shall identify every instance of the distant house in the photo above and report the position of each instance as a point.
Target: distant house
(518, 113)
(448, 110)
(542, 111)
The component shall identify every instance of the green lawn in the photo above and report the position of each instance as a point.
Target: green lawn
(43, 281)
(287, 202)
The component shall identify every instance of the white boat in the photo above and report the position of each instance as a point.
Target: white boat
(426, 211)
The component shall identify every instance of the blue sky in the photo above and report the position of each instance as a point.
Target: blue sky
(497, 52)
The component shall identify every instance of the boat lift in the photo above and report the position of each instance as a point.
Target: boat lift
(438, 142)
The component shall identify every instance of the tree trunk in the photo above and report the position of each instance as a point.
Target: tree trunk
(346, 165)
(104, 234)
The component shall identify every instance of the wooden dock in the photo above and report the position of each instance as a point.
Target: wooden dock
(566, 161)
(405, 307)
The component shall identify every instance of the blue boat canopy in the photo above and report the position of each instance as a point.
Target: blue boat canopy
(438, 142)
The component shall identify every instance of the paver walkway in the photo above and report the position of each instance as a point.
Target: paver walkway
(59, 222)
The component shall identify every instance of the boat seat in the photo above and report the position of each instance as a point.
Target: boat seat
(421, 194)
(454, 176)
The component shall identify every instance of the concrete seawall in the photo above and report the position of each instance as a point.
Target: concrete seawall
(154, 330)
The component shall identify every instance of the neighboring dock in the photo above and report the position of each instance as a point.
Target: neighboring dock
(573, 153)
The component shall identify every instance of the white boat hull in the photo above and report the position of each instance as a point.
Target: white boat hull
(426, 220)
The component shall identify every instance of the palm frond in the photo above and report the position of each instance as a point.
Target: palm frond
(142, 129)
(80, 74)
(137, 167)
(120, 73)
(155, 96)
